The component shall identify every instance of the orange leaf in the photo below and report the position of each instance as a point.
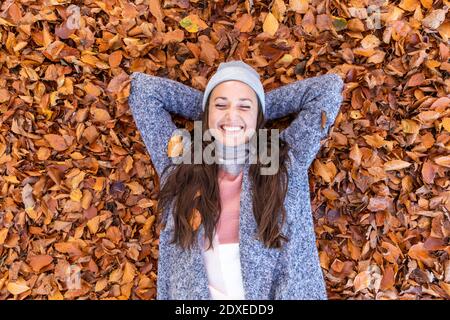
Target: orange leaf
(418, 252)
(388, 280)
(115, 58)
(392, 252)
(195, 219)
(3, 235)
(40, 261)
(446, 124)
(57, 142)
(409, 5)
(245, 23)
(327, 171)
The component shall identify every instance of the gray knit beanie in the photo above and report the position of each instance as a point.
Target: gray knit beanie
(236, 70)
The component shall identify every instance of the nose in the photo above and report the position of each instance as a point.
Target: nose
(232, 113)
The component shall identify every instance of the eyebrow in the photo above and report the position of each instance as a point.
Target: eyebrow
(241, 99)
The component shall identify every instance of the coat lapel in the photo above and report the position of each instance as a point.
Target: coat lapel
(257, 261)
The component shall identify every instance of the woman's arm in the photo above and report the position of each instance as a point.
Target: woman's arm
(308, 98)
(151, 99)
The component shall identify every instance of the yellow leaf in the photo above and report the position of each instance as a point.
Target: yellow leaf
(279, 9)
(410, 126)
(192, 23)
(56, 296)
(101, 284)
(446, 124)
(11, 179)
(355, 114)
(76, 195)
(3, 235)
(270, 24)
(17, 288)
(93, 224)
(125, 289)
(128, 273)
(286, 59)
(115, 275)
(31, 213)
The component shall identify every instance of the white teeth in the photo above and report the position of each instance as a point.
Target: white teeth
(232, 128)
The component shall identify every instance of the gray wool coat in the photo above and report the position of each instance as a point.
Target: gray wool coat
(293, 272)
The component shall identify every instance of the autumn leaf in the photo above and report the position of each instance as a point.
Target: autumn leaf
(270, 24)
(175, 146)
(57, 142)
(195, 220)
(193, 23)
(17, 287)
(40, 261)
(396, 165)
(299, 6)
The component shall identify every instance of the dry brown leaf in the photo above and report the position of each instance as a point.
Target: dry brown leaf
(57, 142)
(195, 220)
(396, 165)
(299, 6)
(17, 287)
(40, 261)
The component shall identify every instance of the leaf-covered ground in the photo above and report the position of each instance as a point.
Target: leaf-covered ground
(77, 188)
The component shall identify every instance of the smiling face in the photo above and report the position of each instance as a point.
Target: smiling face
(233, 111)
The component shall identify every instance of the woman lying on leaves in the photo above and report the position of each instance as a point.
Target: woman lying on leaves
(236, 227)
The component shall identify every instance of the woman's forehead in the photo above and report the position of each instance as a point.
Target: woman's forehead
(233, 89)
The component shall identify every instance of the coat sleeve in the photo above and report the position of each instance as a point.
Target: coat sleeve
(309, 98)
(151, 99)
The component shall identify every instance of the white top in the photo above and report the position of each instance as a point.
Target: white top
(223, 268)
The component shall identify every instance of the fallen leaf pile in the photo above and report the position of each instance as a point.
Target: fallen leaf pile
(78, 191)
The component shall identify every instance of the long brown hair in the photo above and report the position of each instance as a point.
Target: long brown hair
(194, 190)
